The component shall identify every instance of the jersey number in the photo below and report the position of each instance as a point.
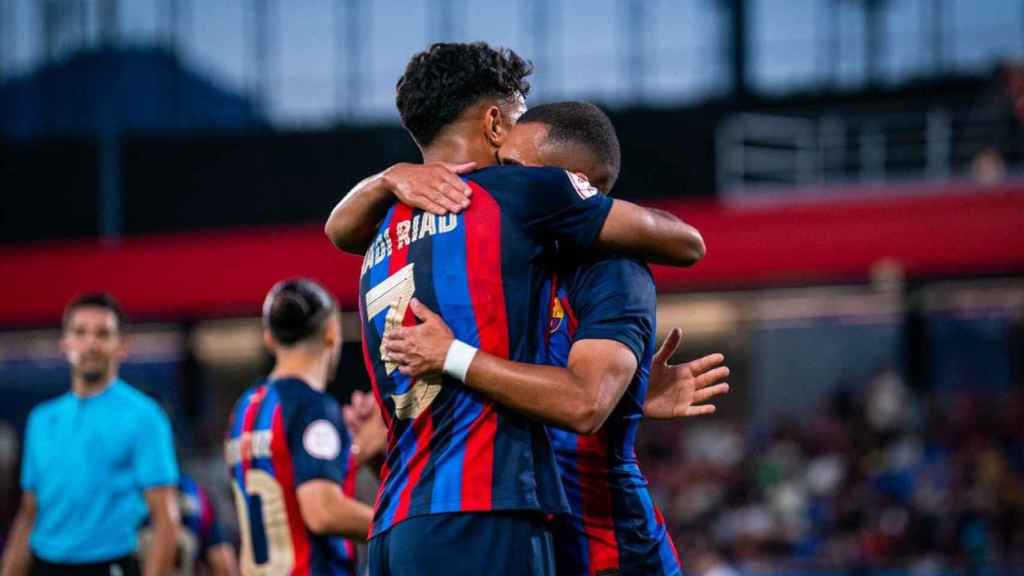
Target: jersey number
(394, 295)
(280, 551)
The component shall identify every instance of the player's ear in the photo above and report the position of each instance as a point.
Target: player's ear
(65, 345)
(332, 333)
(268, 340)
(496, 126)
(121, 352)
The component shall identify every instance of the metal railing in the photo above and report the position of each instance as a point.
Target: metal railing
(759, 153)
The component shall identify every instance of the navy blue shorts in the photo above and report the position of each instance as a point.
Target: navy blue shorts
(470, 544)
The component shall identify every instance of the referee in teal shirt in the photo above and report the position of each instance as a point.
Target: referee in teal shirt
(97, 460)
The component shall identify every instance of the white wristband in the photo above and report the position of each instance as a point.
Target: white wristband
(459, 357)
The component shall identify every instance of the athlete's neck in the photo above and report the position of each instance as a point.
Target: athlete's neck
(84, 388)
(304, 365)
(458, 149)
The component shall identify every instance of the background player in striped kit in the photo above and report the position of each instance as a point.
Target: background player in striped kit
(290, 457)
(463, 474)
(201, 540)
(597, 301)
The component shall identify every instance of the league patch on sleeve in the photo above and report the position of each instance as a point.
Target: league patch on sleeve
(583, 186)
(321, 440)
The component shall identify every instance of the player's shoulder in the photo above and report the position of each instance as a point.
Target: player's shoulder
(613, 272)
(247, 395)
(501, 178)
(609, 264)
(298, 396)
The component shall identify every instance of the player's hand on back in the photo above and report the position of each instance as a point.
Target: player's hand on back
(678, 390)
(434, 187)
(419, 350)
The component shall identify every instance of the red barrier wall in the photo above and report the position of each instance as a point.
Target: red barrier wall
(960, 232)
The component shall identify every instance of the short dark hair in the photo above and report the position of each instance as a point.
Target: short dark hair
(580, 123)
(296, 309)
(94, 300)
(442, 81)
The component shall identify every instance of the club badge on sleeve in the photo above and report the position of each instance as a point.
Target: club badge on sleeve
(321, 440)
(583, 186)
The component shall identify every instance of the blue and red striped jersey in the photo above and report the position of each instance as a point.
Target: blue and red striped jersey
(613, 526)
(449, 448)
(284, 433)
(198, 519)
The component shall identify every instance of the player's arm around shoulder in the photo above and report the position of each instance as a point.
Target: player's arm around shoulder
(565, 206)
(434, 187)
(654, 235)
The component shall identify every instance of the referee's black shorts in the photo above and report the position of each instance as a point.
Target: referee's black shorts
(125, 566)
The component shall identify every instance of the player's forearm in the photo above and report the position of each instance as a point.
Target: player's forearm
(160, 555)
(651, 234)
(17, 560)
(353, 222)
(326, 510)
(346, 517)
(550, 394)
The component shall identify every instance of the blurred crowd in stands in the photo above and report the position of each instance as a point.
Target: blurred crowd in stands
(997, 137)
(880, 477)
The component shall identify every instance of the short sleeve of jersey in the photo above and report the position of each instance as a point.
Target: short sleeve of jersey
(558, 205)
(154, 461)
(318, 442)
(615, 299)
(28, 471)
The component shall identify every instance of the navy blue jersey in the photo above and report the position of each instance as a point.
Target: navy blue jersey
(198, 517)
(284, 433)
(451, 449)
(613, 525)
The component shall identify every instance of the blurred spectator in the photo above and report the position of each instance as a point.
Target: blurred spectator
(996, 125)
(875, 479)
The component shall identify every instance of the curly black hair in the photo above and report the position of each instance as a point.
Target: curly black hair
(442, 81)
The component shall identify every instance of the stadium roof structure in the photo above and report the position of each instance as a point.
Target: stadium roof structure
(137, 90)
